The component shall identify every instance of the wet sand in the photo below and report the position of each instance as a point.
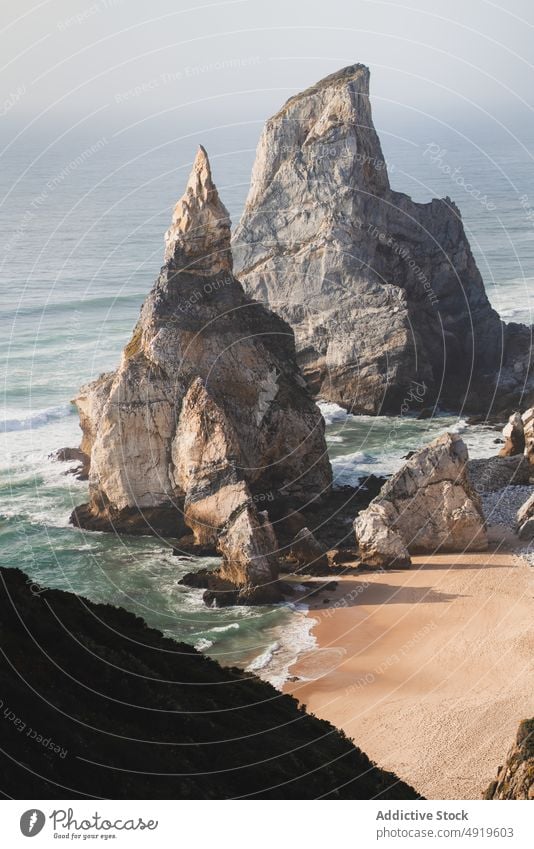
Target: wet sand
(429, 669)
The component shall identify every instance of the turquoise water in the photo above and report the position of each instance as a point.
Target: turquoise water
(82, 244)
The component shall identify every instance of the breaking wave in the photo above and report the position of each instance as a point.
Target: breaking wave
(37, 419)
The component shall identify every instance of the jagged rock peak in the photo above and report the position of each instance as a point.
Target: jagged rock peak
(206, 412)
(323, 133)
(199, 236)
(383, 293)
(357, 75)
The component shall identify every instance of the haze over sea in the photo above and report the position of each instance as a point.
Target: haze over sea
(82, 225)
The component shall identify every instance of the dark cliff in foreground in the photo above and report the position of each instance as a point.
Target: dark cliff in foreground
(383, 293)
(515, 779)
(95, 703)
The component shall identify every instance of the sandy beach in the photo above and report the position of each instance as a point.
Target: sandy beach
(429, 669)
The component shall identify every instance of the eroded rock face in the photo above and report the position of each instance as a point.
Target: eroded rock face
(208, 410)
(514, 437)
(309, 553)
(204, 452)
(519, 436)
(384, 294)
(429, 505)
(528, 431)
(515, 779)
(250, 555)
(380, 544)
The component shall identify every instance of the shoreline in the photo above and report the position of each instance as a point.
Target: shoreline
(427, 668)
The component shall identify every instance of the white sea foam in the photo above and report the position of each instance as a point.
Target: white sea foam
(460, 427)
(347, 469)
(332, 412)
(480, 440)
(513, 299)
(290, 641)
(220, 629)
(298, 606)
(36, 419)
(264, 659)
(203, 644)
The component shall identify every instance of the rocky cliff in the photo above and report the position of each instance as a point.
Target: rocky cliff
(207, 412)
(95, 704)
(515, 779)
(383, 294)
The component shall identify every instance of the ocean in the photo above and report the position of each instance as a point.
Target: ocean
(82, 220)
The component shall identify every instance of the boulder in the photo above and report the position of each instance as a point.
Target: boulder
(526, 531)
(250, 556)
(383, 293)
(69, 455)
(340, 557)
(515, 779)
(514, 437)
(380, 544)
(218, 591)
(525, 519)
(528, 429)
(309, 553)
(207, 411)
(428, 506)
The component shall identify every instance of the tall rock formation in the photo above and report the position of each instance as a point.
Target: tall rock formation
(383, 293)
(514, 436)
(429, 505)
(207, 409)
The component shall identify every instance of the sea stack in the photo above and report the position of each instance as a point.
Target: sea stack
(383, 293)
(207, 413)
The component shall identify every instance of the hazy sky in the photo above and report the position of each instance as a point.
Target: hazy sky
(117, 62)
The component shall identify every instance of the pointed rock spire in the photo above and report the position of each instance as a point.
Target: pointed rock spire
(365, 275)
(206, 410)
(199, 236)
